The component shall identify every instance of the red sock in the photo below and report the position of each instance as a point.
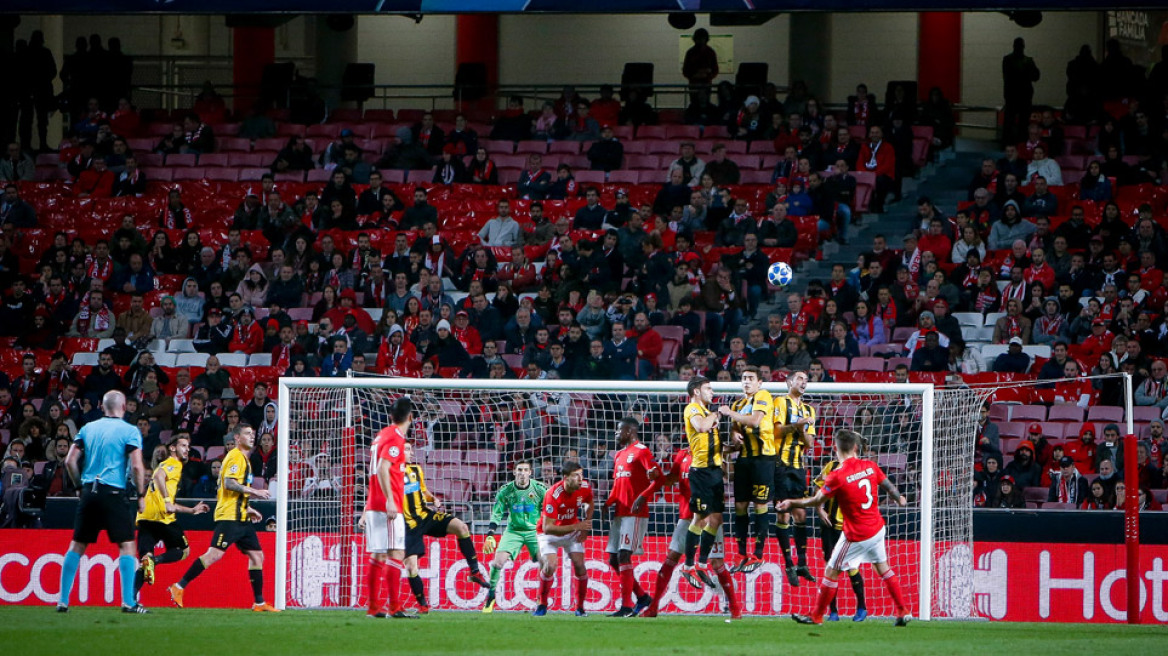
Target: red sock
(727, 583)
(893, 586)
(638, 590)
(581, 591)
(393, 585)
(545, 588)
(626, 584)
(827, 589)
(664, 575)
(375, 584)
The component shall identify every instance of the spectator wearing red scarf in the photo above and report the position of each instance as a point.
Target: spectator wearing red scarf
(466, 334)
(878, 157)
(246, 336)
(1014, 324)
(397, 356)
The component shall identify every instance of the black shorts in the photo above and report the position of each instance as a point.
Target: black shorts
(790, 482)
(754, 479)
(104, 508)
(241, 534)
(151, 533)
(707, 493)
(829, 535)
(433, 525)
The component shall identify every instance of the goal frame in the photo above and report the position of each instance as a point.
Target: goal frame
(925, 390)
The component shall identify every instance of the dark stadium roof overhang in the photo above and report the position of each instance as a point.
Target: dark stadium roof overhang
(422, 7)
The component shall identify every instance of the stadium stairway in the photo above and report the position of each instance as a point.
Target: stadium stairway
(944, 182)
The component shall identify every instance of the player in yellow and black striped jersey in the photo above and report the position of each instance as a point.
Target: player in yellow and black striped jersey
(794, 435)
(831, 525)
(752, 427)
(707, 491)
(235, 522)
(156, 522)
(424, 517)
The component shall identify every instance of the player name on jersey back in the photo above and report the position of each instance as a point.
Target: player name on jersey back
(861, 474)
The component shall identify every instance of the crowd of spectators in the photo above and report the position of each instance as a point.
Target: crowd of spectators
(602, 286)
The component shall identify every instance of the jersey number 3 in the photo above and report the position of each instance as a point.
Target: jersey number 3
(866, 486)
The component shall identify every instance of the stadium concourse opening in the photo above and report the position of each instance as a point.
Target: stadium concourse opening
(539, 225)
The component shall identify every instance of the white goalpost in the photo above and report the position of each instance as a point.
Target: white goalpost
(469, 433)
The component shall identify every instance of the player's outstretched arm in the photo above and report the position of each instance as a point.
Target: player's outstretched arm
(809, 502)
(891, 490)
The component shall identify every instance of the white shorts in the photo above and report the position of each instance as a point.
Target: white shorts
(677, 544)
(849, 555)
(382, 535)
(627, 534)
(550, 544)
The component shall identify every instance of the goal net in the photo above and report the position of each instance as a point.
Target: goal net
(468, 434)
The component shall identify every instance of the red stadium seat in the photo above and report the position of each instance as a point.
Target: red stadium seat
(651, 132)
(538, 147)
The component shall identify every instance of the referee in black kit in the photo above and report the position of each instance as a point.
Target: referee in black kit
(107, 447)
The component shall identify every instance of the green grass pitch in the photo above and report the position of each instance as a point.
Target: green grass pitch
(30, 631)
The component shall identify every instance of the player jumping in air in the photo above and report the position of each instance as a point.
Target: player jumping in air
(384, 524)
(832, 523)
(520, 502)
(795, 431)
(754, 471)
(707, 492)
(854, 486)
(633, 470)
(157, 522)
(235, 522)
(564, 524)
(422, 521)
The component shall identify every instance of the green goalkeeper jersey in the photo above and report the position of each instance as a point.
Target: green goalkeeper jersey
(521, 506)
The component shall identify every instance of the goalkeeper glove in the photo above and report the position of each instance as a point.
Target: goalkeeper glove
(489, 545)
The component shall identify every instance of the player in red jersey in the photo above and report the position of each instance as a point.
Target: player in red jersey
(853, 486)
(385, 527)
(633, 470)
(564, 524)
(679, 475)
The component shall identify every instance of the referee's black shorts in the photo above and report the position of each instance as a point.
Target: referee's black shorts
(151, 533)
(104, 508)
(434, 525)
(754, 479)
(790, 482)
(241, 534)
(707, 493)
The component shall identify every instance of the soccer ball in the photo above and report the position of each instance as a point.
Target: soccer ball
(780, 274)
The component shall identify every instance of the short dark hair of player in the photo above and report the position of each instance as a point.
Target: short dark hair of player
(847, 440)
(569, 467)
(239, 428)
(402, 409)
(695, 384)
(520, 463)
(751, 369)
(630, 422)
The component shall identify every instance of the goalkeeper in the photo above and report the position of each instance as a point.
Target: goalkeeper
(520, 500)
